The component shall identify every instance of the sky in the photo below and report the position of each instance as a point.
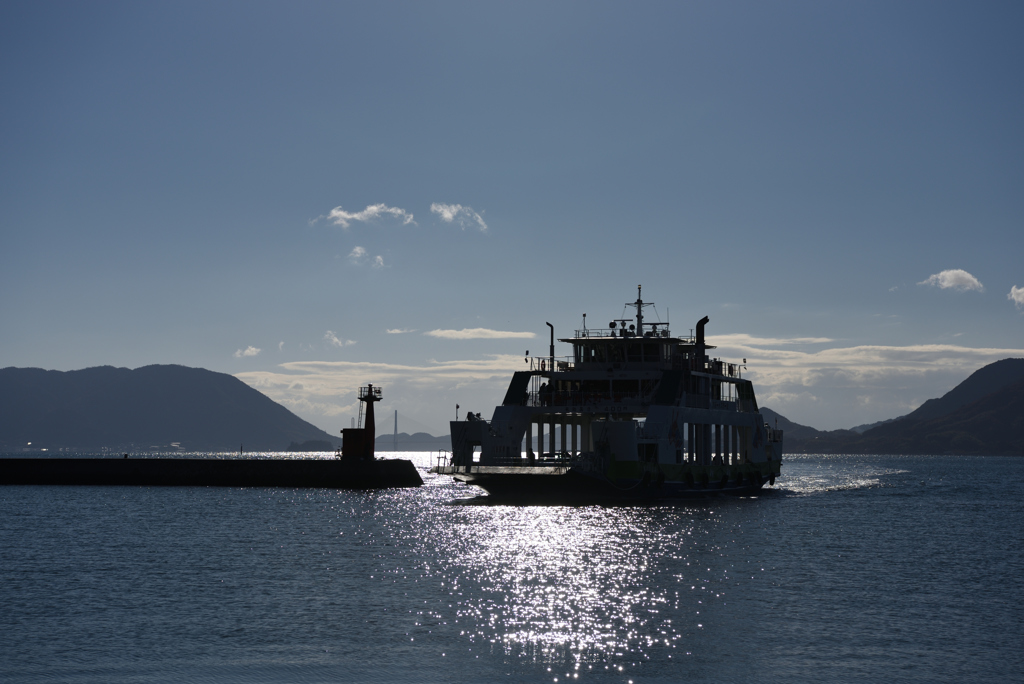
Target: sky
(313, 196)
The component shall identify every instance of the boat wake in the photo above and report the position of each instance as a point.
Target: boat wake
(835, 479)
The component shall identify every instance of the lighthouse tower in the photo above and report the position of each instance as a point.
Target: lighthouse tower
(357, 443)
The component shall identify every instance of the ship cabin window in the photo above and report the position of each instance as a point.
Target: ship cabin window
(591, 353)
(623, 350)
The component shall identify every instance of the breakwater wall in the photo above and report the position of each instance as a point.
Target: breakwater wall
(192, 472)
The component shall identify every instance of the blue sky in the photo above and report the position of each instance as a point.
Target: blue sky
(330, 183)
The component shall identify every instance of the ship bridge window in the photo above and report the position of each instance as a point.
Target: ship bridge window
(652, 352)
(635, 353)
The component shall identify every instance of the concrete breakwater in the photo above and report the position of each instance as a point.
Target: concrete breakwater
(330, 473)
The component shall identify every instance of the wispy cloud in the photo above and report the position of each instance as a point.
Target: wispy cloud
(340, 217)
(479, 334)
(335, 341)
(359, 255)
(955, 279)
(1017, 295)
(328, 388)
(400, 331)
(859, 363)
(818, 386)
(456, 213)
(248, 351)
(740, 339)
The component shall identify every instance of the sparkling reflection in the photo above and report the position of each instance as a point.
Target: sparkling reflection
(584, 587)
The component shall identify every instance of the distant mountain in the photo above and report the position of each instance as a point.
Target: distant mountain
(992, 425)
(154, 407)
(982, 415)
(860, 429)
(980, 383)
(790, 428)
(801, 438)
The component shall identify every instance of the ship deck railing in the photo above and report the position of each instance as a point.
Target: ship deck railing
(543, 363)
(441, 459)
(710, 366)
(572, 399)
(604, 333)
(582, 400)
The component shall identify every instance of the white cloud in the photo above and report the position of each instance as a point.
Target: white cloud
(1017, 295)
(357, 254)
(335, 341)
(248, 351)
(826, 387)
(428, 393)
(740, 339)
(956, 279)
(280, 346)
(860, 363)
(340, 217)
(400, 331)
(478, 334)
(463, 216)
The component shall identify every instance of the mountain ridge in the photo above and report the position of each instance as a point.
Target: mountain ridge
(984, 414)
(152, 407)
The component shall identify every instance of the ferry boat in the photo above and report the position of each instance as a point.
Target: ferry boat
(635, 413)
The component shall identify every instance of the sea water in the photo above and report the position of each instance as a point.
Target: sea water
(852, 568)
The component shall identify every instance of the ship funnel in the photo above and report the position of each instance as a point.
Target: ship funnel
(700, 342)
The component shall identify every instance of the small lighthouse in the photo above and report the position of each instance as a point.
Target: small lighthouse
(357, 443)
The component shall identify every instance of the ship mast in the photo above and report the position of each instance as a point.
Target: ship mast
(639, 312)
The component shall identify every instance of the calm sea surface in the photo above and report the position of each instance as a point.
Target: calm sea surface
(850, 569)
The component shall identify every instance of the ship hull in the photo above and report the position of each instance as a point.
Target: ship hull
(574, 485)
